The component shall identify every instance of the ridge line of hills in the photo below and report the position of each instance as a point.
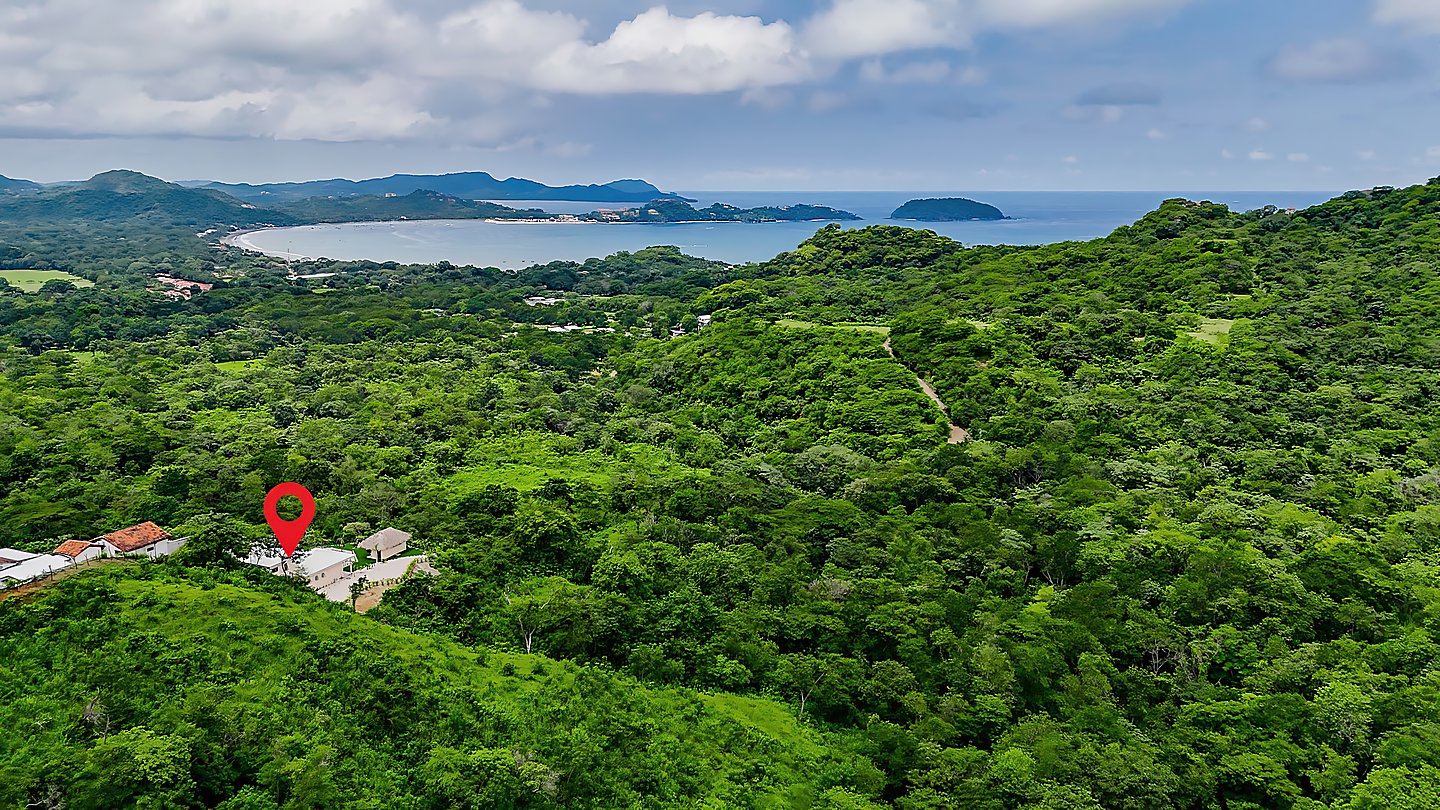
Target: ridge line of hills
(465, 185)
(121, 195)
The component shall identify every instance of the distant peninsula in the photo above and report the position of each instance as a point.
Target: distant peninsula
(422, 204)
(947, 209)
(123, 196)
(676, 211)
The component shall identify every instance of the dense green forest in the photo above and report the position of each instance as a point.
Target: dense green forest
(1189, 557)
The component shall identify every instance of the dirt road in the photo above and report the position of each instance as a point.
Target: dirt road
(957, 434)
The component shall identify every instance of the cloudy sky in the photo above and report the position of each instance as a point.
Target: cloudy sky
(733, 94)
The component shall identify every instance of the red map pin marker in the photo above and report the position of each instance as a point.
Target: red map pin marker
(289, 532)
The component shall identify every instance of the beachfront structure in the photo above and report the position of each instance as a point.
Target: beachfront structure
(386, 543)
(142, 540)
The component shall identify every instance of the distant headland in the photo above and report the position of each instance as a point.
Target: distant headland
(947, 209)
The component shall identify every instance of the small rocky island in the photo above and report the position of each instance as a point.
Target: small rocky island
(947, 209)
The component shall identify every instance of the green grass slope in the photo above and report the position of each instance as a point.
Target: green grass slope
(145, 685)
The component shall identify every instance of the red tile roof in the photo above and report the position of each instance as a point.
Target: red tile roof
(73, 548)
(136, 537)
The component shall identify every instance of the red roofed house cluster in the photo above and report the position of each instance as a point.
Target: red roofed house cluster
(143, 540)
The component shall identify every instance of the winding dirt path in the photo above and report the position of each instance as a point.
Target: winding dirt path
(957, 434)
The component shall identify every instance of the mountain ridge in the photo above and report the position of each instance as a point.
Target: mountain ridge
(466, 185)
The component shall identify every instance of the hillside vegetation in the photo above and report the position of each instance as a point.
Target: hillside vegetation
(1187, 558)
(162, 688)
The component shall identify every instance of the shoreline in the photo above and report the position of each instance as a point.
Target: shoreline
(240, 239)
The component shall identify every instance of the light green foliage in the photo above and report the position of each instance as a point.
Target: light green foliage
(196, 684)
(1176, 565)
(33, 280)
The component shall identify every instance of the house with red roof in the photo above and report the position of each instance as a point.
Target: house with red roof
(143, 540)
(80, 551)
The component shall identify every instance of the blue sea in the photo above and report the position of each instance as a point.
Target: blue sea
(1035, 218)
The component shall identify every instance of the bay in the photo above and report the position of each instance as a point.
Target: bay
(1035, 218)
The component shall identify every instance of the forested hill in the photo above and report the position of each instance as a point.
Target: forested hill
(12, 184)
(415, 205)
(467, 185)
(1187, 559)
(126, 197)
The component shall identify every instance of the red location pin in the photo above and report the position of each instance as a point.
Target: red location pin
(289, 532)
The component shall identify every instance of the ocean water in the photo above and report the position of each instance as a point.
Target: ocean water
(1036, 218)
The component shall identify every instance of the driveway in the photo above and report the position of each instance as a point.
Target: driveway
(339, 590)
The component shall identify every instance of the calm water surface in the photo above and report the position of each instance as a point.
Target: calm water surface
(1036, 218)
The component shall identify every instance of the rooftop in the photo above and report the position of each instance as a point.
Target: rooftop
(136, 537)
(73, 548)
(36, 566)
(10, 556)
(318, 559)
(387, 537)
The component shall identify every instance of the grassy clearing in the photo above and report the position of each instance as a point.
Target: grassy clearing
(33, 280)
(233, 366)
(526, 462)
(1215, 331)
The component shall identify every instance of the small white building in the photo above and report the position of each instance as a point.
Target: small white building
(13, 556)
(319, 566)
(322, 566)
(386, 543)
(80, 551)
(38, 565)
(268, 558)
(142, 540)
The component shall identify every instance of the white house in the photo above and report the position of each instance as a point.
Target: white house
(13, 556)
(38, 565)
(319, 566)
(386, 543)
(79, 551)
(143, 540)
(268, 558)
(322, 566)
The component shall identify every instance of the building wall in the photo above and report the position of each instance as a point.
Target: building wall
(89, 554)
(325, 576)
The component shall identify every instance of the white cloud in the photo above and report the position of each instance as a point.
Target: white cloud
(1341, 61)
(1366, 154)
(659, 52)
(1421, 14)
(1298, 157)
(1257, 124)
(1227, 154)
(473, 69)
(1070, 160)
(1157, 134)
(851, 28)
(352, 69)
(1261, 154)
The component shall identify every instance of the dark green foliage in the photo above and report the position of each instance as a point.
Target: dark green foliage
(419, 204)
(946, 209)
(1187, 559)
